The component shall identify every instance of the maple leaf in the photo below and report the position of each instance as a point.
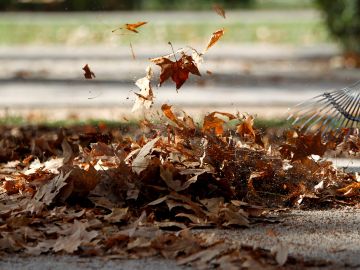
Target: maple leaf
(131, 26)
(88, 73)
(145, 98)
(219, 10)
(214, 38)
(178, 71)
(215, 124)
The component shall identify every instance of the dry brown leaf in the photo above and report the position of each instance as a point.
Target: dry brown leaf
(145, 98)
(219, 10)
(47, 193)
(117, 215)
(170, 115)
(350, 190)
(131, 27)
(142, 160)
(73, 237)
(214, 38)
(178, 71)
(212, 123)
(203, 256)
(300, 147)
(80, 181)
(88, 74)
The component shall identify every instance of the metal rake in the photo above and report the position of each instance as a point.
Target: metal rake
(330, 111)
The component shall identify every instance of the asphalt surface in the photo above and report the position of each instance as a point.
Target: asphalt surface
(61, 262)
(328, 237)
(259, 79)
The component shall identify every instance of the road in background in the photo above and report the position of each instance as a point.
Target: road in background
(259, 79)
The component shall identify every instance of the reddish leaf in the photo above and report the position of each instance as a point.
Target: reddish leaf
(178, 71)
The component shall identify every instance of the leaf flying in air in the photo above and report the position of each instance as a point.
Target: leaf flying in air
(214, 38)
(178, 70)
(145, 98)
(219, 10)
(131, 26)
(88, 73)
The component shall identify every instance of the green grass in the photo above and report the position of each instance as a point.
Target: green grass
(284, 4)
(19, 121)
(84, 30)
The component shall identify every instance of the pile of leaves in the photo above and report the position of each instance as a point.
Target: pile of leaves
(94, 191)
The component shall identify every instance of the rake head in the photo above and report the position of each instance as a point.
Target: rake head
(330, 111)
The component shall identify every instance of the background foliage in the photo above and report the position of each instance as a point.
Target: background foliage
(342, 18)
(94, 5)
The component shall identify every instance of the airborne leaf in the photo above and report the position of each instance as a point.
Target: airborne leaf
(88, 73)
(214, 38)
(131, 27)
(219, 10)
(214, 123)
(178, 71)
(145, 98)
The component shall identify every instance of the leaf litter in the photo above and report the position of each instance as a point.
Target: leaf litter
(96, 191)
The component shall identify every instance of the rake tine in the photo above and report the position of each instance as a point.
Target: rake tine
(331, 110)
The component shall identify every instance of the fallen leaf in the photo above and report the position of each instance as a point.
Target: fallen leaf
(117, 215)
(73, 237)
(143, 158)
(48, 191)
(350, 190)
